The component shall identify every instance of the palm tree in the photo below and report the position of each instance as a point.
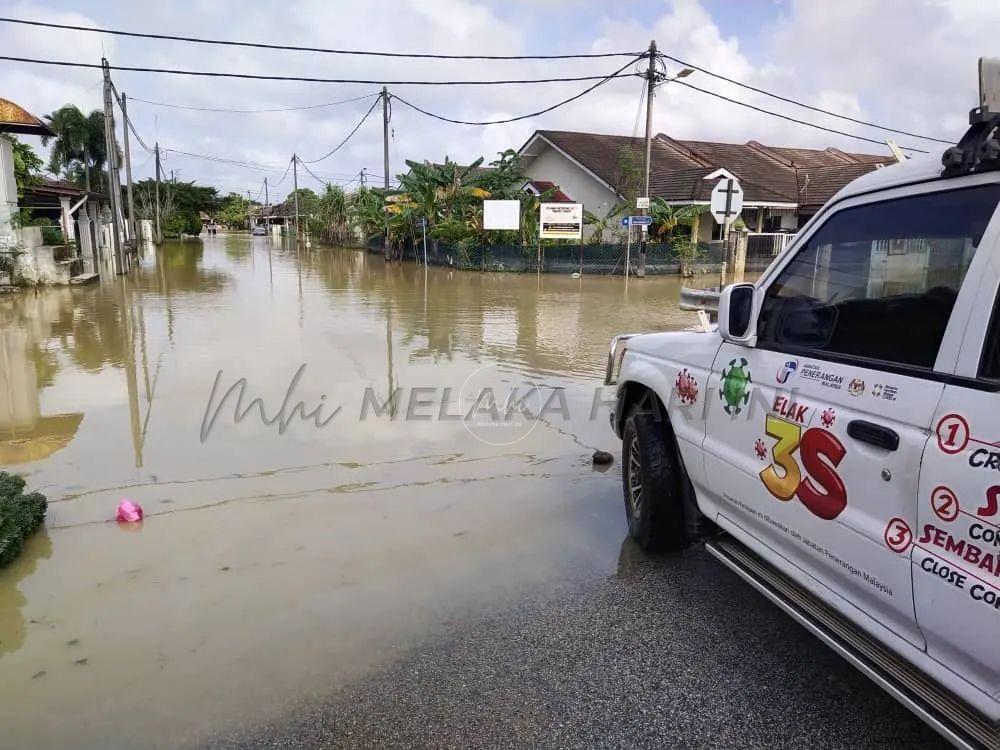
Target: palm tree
(333, 210)
(70, 127)
(79, 146)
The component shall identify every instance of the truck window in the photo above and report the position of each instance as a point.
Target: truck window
(880, 280)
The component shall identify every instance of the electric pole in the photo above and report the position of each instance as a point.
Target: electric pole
(109, 138)
(385, 165)
(157, 236)
(295, 183)
(362, 177)
(128, 176)
(249, 206)
(650, 89)
(267, 198)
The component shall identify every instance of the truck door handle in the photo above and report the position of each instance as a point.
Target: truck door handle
(873, 434)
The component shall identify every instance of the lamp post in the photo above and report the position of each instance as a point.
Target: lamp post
(653, 78)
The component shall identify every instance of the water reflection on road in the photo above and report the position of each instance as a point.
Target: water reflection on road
(272, 567)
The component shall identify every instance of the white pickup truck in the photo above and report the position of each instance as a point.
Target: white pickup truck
(836, 441)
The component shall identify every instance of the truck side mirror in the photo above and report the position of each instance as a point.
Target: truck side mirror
(736, 313)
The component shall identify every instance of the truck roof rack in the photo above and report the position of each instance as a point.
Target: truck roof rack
(979, 149)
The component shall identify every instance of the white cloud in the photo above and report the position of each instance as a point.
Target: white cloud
(911, 64)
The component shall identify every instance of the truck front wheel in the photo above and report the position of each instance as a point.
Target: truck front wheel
(652, 482)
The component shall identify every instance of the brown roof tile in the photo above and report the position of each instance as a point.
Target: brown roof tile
(769, 174)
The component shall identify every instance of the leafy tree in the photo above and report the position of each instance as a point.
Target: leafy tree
(234, 211)
(27, 165)
(631, 172)
(181, 204)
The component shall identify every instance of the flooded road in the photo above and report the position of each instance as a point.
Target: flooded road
(279, 561)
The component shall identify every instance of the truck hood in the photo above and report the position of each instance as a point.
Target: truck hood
(696, 347)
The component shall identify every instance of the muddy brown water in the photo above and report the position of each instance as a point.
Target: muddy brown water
(275, 565)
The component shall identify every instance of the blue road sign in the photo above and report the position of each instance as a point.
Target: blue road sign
(624, 221)
(641, 221)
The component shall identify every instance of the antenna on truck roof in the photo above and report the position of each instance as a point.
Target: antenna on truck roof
(979, 149)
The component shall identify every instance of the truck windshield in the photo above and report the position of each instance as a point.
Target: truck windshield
(880, 280)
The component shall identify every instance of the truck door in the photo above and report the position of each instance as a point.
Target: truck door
(956, 555)
(817, 434)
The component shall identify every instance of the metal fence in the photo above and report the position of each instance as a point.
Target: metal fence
(764, 247)
(661, 258)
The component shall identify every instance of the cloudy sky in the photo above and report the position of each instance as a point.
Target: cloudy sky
(910, 64)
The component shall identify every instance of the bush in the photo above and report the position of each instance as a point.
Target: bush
(20, 515)
(182, 222)
(52, 235)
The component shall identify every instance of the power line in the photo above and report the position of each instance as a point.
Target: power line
(792, 119)
(252, 111)
(128, 120)
(259, 166)
(295, 48)
(287, 170)
(320, 181)
(346, 139)
(573, 98)
(797, 103)
(302, 79)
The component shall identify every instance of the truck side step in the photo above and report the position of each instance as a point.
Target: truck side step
(953, 719)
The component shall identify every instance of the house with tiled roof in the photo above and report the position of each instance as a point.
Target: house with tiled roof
(783, 187)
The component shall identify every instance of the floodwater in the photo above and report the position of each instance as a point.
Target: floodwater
(278, 563)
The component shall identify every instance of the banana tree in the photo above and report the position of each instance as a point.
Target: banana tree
(667, 217)
(608, 221)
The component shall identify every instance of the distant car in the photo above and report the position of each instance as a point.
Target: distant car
(259, 231)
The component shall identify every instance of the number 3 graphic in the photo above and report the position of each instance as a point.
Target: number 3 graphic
(784, 485)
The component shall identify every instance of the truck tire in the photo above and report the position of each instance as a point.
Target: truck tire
(652, 483)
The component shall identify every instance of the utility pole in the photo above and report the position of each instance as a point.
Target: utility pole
(385, 165)
(650, 89)
(249, 206)
(362, 178)
(157, 237)
(267, 198)
(128, 176)
(109, 138)
(295, 183)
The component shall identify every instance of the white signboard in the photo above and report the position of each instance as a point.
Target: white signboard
(727, 201)
(642, 203)
(560, 221)
(502, 215)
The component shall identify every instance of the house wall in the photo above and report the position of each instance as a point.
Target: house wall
(575, 182)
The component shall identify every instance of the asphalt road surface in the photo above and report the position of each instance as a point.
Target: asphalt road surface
(674, 651)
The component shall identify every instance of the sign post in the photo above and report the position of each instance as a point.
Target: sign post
(627, 221)
(726, 205)
(423, 226)
(559, 221)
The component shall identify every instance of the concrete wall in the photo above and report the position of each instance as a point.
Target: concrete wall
(575, 182)
(8, 192)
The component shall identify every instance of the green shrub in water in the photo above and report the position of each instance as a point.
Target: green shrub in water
(20, 515)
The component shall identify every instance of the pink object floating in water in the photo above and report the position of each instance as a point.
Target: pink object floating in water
(129, 512)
